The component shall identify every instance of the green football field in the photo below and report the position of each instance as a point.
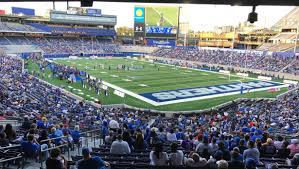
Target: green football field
(144, 77)
(154, 14)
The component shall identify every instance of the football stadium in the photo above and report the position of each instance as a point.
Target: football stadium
(93, 88)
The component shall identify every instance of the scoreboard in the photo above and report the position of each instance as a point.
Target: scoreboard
(156, 22)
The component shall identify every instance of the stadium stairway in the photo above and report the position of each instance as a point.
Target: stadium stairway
(292, 63)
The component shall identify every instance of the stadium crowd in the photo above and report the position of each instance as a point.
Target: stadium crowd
(59, 45)
(244, 134)
(251, 60)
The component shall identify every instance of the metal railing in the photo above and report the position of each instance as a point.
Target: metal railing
(13, 158)
(84, 138)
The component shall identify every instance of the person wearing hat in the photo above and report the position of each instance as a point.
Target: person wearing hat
(89, 162)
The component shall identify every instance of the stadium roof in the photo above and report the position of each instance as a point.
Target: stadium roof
(291, 20)
(223, 2)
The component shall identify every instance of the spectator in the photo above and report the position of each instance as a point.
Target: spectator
(203, 148)
(196, 161)
(158, 157)
(213, 146)
(222, 164)
(56, 161)
(176, 156)
(278, 143)
(250, 163)
(284, 152)
(294, 147)
(127, 138)
(242, 146)
(89, 162)
(236, 161)
(268, 148)
(30, 147)
(113, 124)
(187, 143)
(252, 153)
(226, 153)
(161, 135)
(139, 143)
(171, 136)
(10, 132)
(180, 135)
(3, 140)
(120, 147)
(76, 134)
(294, 161)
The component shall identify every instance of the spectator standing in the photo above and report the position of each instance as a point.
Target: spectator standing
(119, 146)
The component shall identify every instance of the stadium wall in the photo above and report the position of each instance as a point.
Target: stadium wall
(238, 69)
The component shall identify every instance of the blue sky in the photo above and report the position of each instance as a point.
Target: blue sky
(200, 17)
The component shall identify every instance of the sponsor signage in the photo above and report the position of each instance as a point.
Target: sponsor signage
(161, 30)
(139, 14)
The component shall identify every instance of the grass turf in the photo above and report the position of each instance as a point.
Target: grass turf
(153, 15)
(166, 78)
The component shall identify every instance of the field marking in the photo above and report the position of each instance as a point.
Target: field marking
(114, 76)
(187, 99)
(103, 72)
(143, 85)
(222, 77)
(127, 80)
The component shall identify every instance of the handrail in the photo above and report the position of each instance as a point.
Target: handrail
(12, 146)
(12, 158)
(67, 143)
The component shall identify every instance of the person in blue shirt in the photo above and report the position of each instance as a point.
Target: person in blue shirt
(30, 147)
(76, 134)
(180, 135)
(89, 162)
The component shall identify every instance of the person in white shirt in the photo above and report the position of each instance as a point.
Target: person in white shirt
(171, 136)
(278, 143)
(113, 124)
(158, 157)
(119, 146)
(176, 156)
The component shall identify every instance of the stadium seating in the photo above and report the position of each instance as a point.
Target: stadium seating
(76, 30)
(12, 26)
(54, 45)
(272, 123)
(251, 60)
